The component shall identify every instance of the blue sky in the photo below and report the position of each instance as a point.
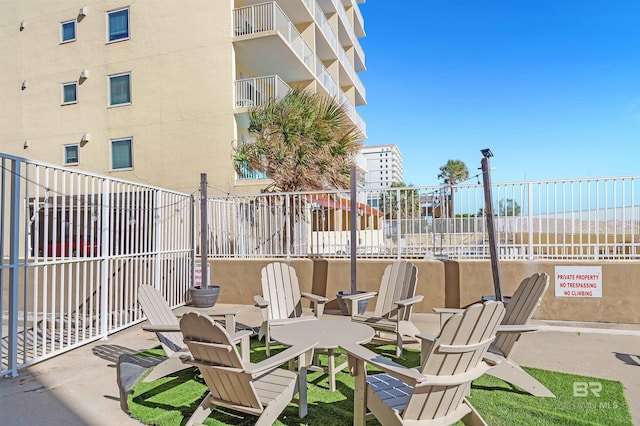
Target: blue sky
(552, 87)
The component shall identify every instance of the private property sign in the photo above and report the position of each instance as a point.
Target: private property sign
(578, 281)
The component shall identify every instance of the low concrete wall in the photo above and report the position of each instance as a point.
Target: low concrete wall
(467, 281)
(447, 283)
(240, 279)
(442, 283)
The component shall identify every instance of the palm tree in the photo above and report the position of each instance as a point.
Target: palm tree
(303, 142)
(451, 173)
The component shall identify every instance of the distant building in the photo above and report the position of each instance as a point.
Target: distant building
(383, 165)
(158, 91)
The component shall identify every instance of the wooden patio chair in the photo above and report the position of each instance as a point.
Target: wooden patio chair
(281, 300)
(519, 311)
(394, 304)
(263, 389)
(164, 323)
(435, 392)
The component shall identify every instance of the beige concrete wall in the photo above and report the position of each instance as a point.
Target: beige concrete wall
(240, 279)
(468, 281)
(181, 61)
(448, 283)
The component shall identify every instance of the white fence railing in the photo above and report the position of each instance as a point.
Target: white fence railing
(75, 248)
(250, 92)
(564, 219)
(270, 17)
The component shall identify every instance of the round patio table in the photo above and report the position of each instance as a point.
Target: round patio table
(329, 334)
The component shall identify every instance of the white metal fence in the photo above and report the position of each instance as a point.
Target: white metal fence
(75, 248)
(563, 219)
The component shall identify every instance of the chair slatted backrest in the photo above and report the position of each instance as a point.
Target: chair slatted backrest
(458, 349)
(158, 312)
(219, 361)
(520, 309)
(398, 283)
(280, 287)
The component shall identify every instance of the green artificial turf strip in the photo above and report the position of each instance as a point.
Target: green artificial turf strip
(172, 400)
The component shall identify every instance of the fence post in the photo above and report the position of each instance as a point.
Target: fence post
(14, 259)
(105, 226)
(192, 264)
(287, 221)
(530, 217)
(157, 243)
(204, 231)
(488, 213)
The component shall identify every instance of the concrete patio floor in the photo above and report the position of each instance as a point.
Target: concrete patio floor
(79, 387)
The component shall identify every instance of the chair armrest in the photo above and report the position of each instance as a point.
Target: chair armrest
(240, 335)
(517, 328)
(314, 298)
(445, 313)
(410, 301)
(317, 301)
(412, 376)
(361, 296)
(448, 310)
(260, 301)
(162, 328)
(426, 342)
(407, 375)
(279, 359)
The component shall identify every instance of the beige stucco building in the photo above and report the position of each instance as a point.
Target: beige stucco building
(157, 91)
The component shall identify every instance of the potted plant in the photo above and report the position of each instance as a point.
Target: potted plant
(203, 296)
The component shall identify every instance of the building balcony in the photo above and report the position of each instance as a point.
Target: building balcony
(348, 73)
(250, 92)
(267, 42)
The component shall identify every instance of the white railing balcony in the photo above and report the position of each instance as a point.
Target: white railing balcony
(250, 92)
(325, 78)
(362, 125)
(349, 27)
(326, 29)
(265, 17)
(352, 112)
(358, 14)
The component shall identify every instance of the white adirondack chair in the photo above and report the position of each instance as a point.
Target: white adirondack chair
(394, 304)
(435, 392)
(263, 389)
(281, 300)
(164, 323)
(519, 311)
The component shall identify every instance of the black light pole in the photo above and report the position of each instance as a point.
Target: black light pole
(488, 214)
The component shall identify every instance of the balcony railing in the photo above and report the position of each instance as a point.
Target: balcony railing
(326, 28)
(352, 113)
(325, 78)
(347, 24)
(265, 17)
(344, 59)
(250, 92)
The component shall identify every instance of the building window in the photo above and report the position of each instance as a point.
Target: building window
(122, 154)
(118, 24)
(68, 31)
(69, 93)
(71, 154)
(119, 89)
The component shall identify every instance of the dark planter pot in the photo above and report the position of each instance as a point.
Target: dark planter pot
(204, 297)
(345, 307)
